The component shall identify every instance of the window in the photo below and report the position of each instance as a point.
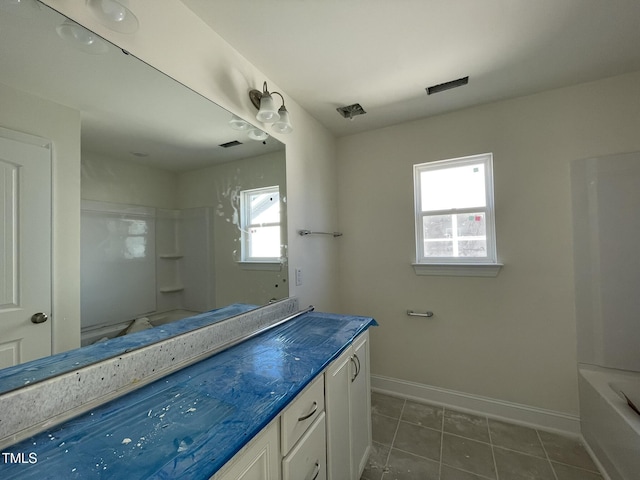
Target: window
(260, 224)
(454, 212)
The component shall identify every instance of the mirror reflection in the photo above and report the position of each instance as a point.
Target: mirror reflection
(181, 213)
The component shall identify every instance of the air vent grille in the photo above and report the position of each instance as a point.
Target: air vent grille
(351, 111)
(230, 144)
(447, 85)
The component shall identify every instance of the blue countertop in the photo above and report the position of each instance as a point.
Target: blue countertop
(189, 424)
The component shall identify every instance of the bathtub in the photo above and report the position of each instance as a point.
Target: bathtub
(609, 426)
(91, 335)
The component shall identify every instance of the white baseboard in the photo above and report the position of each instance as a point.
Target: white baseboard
(499, 409)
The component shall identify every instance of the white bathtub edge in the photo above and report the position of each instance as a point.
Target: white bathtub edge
(609, 427)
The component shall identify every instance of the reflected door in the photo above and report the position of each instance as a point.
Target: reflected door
(25, 248)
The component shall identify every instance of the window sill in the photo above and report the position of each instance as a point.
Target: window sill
(265, 266)
(458, 269)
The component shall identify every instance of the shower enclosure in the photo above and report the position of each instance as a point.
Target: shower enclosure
(606, 229)
(143, 262)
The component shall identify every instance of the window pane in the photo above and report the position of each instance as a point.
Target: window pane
(456, 187)
(264, 242)
(264, 208)
(438, 248)
(462, 235)
(473, 248)
(437, 226)
(471, 225)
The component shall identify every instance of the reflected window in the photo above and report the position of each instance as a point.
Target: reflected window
(126, 239)
(260, 224)
(454, 211)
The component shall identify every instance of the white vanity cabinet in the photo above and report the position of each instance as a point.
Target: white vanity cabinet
(323, 434)
(348, 407)
(259, 460)
(303, 434)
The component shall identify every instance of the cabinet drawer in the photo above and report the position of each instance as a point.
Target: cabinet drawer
(301, 413)
(308, 459)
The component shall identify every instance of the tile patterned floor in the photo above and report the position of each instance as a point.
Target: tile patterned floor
(414, 441)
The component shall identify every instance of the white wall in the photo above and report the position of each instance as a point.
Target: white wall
(211, 187)
(107, 179)
(512, 337)
(177, 42)
(25, 113)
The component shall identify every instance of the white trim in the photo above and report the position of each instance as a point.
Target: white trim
(267, 266)
(458, 269)
(486, 159)
(499, 409)
(25, 138)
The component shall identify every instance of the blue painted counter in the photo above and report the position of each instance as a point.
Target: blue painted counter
(190, 423)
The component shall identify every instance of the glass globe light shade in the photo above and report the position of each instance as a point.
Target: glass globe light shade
(268, 112)
(283, 125)
(114, 15)
(239, 124)
(257, 134)
(81, 38)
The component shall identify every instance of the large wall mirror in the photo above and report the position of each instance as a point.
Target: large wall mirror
(181, 213)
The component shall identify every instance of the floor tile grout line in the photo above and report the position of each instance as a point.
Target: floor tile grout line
(441, 444)
(493, 453)
(482, 477)
(546, 454)
(597, 472)
(490, 443)
(393, 441)
(415, 455)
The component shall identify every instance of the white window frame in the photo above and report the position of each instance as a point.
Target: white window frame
(245, 227)
(466, 266)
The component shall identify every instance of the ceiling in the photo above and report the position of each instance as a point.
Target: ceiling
(383, 54)
(129, 110)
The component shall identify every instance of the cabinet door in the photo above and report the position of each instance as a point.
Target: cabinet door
(338, 383)
(259, 460)
(360, 406)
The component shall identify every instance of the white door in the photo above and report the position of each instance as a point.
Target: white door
(25, 248)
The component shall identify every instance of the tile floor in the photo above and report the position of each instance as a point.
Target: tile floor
(414, 441)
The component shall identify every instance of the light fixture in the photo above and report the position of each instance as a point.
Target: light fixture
(257, 134)
(114, 15)
(267, 112)
(239, 124)
(81, 38)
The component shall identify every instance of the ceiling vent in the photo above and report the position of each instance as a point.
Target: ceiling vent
(351, 111)
(230, 144)
(447, 85)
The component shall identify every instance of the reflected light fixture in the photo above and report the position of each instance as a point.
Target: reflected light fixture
(253, 133)
(239, 124)
(257, 134)
(114, 15)
(267, 112)
(81, 38)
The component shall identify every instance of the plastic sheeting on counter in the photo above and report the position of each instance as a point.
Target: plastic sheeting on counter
(190, 423)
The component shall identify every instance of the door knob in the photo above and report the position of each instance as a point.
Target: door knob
(39, 317)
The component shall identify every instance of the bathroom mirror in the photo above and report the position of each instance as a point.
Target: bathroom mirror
(162, 176)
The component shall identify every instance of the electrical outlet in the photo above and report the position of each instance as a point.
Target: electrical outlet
(298, 277)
